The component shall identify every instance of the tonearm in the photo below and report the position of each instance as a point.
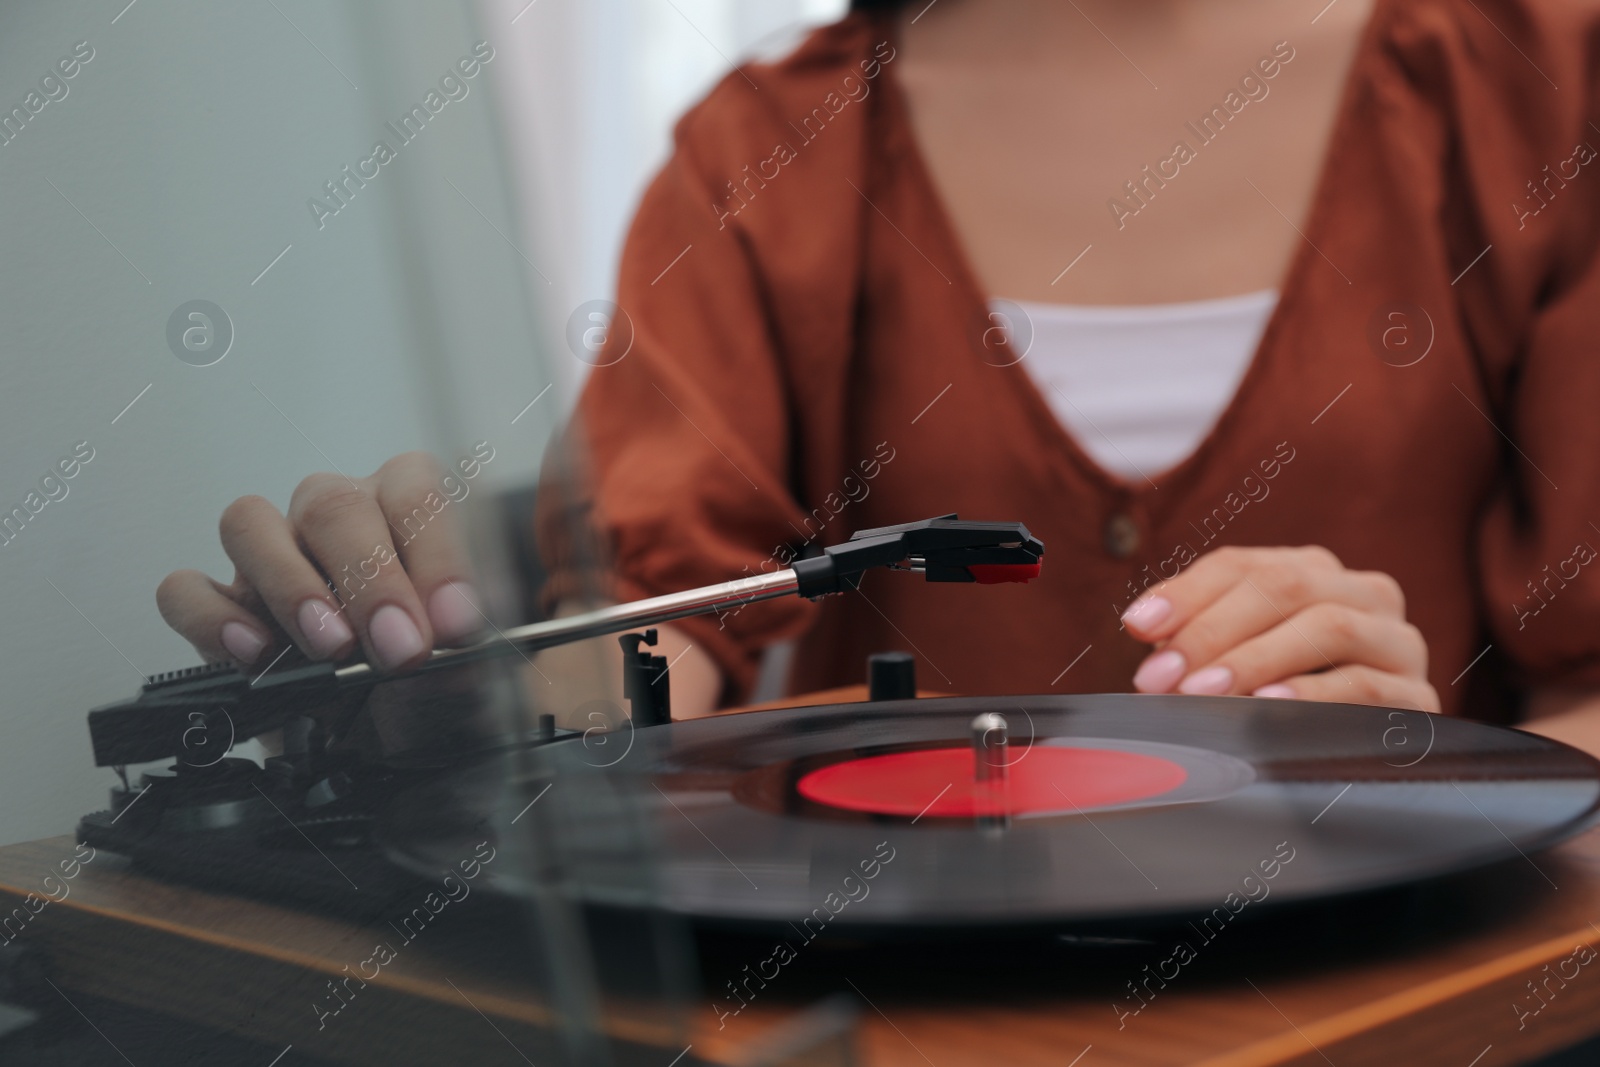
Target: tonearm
(154, 724)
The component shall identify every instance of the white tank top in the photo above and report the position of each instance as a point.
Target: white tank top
(1138, 386)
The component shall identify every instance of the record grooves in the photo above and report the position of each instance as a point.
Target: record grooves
(1159, 805)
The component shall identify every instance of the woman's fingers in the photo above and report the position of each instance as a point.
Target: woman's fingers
(1281, 622)
(414, 494)
(1358, 684)
(1285, 578)
(264, 549)
(346, 533)
(204, 613)
(1323, 636)
(1257, 604)
(380, 562)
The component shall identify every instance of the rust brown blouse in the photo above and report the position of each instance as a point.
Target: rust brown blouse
(810, 354)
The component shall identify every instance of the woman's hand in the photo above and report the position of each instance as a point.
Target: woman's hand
(1282, 622)
(375, 560)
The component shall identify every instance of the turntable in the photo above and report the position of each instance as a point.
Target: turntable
(922, 817)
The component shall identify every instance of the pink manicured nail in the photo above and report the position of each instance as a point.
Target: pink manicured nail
(325, 631)
(1277, 691)
(1148, 612)
(395, 638)
(1160, 672)
(242, 643)
(453, 611)
(1211, 681)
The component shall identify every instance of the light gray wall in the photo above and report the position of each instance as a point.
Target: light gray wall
(182, 159)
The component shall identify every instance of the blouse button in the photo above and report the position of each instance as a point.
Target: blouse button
(1121, 535)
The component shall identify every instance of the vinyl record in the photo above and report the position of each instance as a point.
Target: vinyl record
(872, 816)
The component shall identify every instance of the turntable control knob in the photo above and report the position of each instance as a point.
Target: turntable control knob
(989, 747)
(891, 676)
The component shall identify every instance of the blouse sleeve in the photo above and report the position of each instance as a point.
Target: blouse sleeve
(1540, 533)
(685, 425)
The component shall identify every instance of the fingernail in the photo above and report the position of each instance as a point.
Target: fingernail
(324, 629)
(1160, 672)
(1277, 691)
(1148, 612)
(1211, 680)
(395, 638)
(242, 643)
(453, 611)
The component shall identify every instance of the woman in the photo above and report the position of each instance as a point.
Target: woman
(1187, 289)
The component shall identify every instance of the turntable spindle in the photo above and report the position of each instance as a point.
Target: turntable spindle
(990, 747)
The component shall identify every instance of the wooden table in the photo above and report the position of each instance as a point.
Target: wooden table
(1432, 987)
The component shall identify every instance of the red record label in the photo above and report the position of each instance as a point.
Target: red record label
(1040, 780)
